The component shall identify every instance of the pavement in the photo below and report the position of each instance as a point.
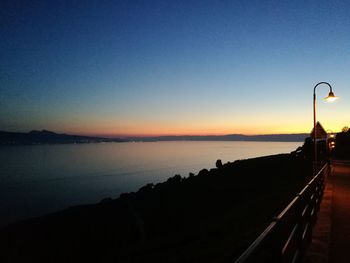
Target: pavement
(331, 234)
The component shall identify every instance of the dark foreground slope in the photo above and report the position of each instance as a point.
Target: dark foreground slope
(210, 217)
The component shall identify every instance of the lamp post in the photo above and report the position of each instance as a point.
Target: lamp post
(330, 98)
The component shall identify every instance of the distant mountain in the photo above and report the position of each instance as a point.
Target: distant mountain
(298, 137)
(47, 137)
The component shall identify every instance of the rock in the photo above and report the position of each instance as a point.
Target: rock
(218, 164)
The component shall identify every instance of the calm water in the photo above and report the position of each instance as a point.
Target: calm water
(36, 180)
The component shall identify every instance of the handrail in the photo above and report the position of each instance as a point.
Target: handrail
(286, 237)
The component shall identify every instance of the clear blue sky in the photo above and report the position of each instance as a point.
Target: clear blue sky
(172, 67)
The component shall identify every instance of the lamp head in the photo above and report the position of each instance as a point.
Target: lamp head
(331, 97)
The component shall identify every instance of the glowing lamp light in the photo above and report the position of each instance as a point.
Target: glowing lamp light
(331, 97)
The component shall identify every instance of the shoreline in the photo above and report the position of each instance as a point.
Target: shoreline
(49, 137)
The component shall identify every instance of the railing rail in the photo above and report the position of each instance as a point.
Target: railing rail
(289, 233)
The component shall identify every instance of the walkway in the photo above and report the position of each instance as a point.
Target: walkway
(340, 233)
(331, 235)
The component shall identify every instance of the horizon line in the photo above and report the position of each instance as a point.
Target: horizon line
(156, 135)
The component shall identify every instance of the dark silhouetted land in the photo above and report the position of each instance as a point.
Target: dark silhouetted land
(342, 145)
(47, 137)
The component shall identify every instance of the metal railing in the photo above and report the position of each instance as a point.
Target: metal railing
(288, 235)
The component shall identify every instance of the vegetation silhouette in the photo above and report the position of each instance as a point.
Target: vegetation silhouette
(209, 217)
(342, 144)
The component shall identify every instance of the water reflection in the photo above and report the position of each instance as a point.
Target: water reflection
(36, 180)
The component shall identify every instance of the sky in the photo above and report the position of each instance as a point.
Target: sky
(145, 68)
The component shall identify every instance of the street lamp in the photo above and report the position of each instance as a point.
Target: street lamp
(330, 98)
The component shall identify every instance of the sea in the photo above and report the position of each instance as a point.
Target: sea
(39, 179)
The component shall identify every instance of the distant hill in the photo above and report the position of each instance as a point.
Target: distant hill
(47, 137)
(298, 137)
